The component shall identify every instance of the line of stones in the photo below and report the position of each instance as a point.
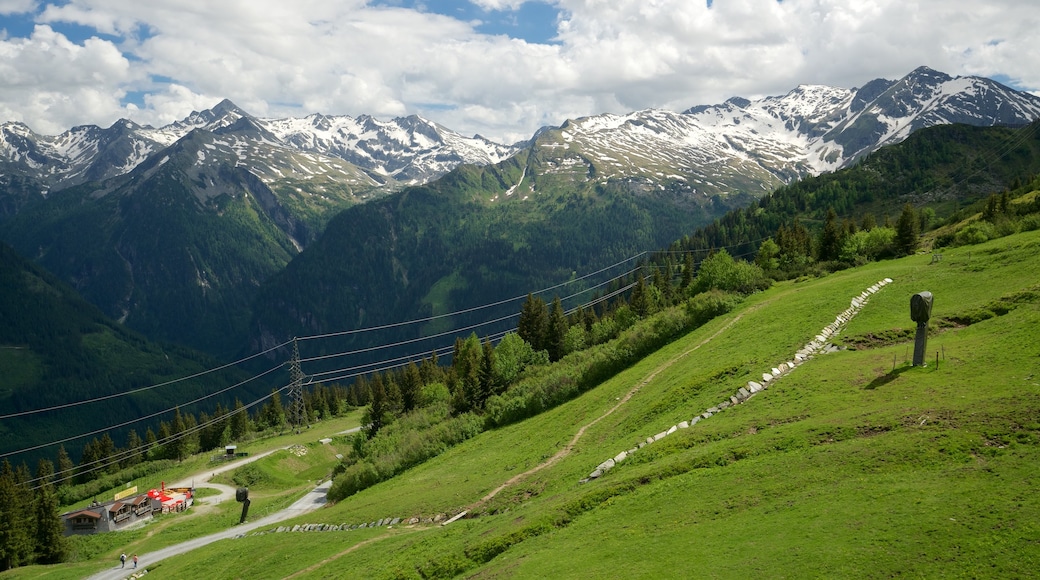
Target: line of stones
(818, 345)
(349, 527)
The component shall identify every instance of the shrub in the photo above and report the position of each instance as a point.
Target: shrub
(707, 305)
(720, 271)
(975, 233)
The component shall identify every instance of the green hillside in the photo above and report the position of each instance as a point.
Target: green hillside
(57, 349)
(466, 240)
(945, 169)
(854, 464)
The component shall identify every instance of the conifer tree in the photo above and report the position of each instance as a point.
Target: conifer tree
(831, 238)
(638, 300)
(16, 545)
(556, 330)
(375, 415)
(429, 371)
(687, 271)
(51, 546)
(410, 384)
(534, 317)
(394, 399)
(907, 231)
(66, 468)
(134, 448)
(487, 374)
(178, 446)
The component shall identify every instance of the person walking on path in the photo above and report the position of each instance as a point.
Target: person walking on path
(135, 560)
(122, 560)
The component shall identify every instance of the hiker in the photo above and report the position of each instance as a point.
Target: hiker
(135, 560)
(122, 560)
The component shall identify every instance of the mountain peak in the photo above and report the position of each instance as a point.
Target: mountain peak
(226, 107)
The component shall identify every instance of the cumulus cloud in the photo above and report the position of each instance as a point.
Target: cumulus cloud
(275, 58)
(17, 6)
(52, 83)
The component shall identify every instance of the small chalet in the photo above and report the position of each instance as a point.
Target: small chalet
(118, 514)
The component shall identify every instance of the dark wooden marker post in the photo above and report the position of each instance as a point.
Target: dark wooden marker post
(920, 312)
(242, 495)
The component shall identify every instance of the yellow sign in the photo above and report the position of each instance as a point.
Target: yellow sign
(126, 493)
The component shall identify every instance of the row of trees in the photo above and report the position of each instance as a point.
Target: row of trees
(30, 529)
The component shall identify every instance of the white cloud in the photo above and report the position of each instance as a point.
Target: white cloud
(51, 83)
(17, 6)
(277, 58)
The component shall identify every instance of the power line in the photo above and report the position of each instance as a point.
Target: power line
(468, 310)
(137, 420)
(140, 389)
(118, 457)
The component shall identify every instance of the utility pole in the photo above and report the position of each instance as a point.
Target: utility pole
(297, 410)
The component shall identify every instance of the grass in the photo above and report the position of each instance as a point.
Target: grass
(850, 466)
(294, 475)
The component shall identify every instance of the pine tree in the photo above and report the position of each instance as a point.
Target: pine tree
(134, 448)
(178, 446)
(411, 384)
(239, 421)
(16, 541)
(687, 271)
(66, 469)
(907, 231)
(534, 316)
(51, 546)
(556, 330)
(638, 299)
(487, 374)
(429, 370)
(394, 399)
(375, 415)
(831, 238)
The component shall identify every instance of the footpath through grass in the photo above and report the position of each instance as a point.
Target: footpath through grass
(275, 481)
(853, 465)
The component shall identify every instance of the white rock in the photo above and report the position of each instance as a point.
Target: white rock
(684, 425)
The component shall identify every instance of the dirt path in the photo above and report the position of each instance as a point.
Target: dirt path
(566, 450)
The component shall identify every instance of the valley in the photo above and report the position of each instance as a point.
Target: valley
(590, 354)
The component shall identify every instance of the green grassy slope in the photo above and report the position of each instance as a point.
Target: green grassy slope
(844, 467)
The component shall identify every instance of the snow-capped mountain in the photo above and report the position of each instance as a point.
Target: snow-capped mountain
(361, 153)
(755, 146)
(739, 145)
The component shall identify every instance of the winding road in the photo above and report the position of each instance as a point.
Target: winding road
(313, 500)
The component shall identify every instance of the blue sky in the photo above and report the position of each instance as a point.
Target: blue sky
(531, 21)
(501, 68)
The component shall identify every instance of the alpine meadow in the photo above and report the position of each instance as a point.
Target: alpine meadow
(644, 345)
